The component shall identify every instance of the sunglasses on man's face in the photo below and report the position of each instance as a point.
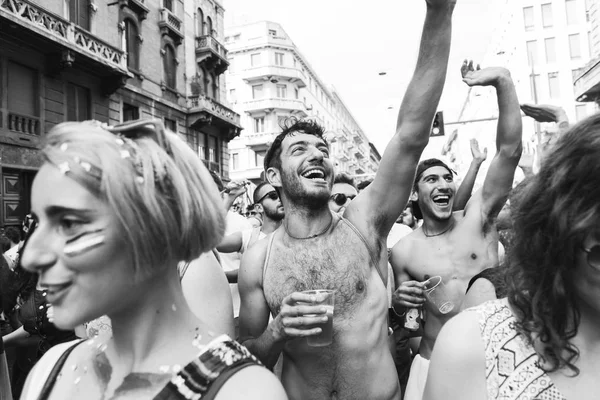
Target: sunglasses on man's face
(271, 195)
(340, 198)
(593, 256)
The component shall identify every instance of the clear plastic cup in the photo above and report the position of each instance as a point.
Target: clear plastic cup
(437, 294)
(323, 298)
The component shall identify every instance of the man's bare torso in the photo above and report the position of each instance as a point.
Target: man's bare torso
(358, 364)
(456, 256)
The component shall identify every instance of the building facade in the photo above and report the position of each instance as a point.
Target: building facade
(268, 81)
(545, 44)
(74, 60)
(587, 84)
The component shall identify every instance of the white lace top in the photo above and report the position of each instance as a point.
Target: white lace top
(512, 365)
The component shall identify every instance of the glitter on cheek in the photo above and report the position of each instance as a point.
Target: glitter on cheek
(83, 244)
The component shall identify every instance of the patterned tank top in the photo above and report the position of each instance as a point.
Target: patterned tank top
(511, 364)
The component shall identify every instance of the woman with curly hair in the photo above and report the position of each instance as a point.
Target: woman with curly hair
(543, 341)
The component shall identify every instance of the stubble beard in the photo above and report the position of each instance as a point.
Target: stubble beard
(298, 195)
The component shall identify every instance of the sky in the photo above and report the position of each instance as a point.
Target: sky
(349, 44)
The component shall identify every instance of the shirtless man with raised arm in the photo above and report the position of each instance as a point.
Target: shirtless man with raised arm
(455, 245)
(318, 249)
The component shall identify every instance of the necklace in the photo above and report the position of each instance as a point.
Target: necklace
(438, 234)
(311, 236)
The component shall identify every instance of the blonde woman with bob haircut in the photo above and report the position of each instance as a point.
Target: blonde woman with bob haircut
(117, 208)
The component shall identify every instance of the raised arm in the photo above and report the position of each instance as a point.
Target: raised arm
(382, 201)
(231, 243)
(499, 179)
(463, 194)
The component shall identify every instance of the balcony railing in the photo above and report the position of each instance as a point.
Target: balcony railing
(36, 18)
(293, 105)
(293, 75)
(170, 25)
(209, 42)
(204, 103)
(23, 124)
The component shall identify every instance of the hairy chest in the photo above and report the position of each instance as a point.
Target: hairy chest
(339, 262)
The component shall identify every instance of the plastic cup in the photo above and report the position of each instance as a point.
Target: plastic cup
(323, 298)
(437, 294)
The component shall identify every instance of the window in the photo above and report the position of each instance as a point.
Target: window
(571, 8)
(202, 145)
(259, 158)
(532, 53)
(257, 91)
(547, 19)
(131, 44)
(200, 18)
(534, 81)
(282, 91)
(254, 59)
(232, 96)
(235, 161)
(170, 67)
(237, 37)
(297, 93)
(279, 59)
(528, 18)
(295, 62)
(79, 13)
(171, 125)
(575, 46)
(550, 44)
(213, 149)
(259, 125)
(168, 4)
(272, 32)
(580, 112)
(553, 85)
(130, 113)
(22, 96)
(78, 103)
(209, 26)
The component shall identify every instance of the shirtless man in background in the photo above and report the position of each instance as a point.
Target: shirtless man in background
(455, 245)
(318, 249)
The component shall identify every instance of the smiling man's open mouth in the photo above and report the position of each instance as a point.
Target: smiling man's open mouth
(314, 174)
(441, 200)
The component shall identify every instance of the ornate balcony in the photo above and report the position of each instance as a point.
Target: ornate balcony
(137, 6)
(259, 141)
(170, 25)
(206, 111)
(275, 74)
(211, 53)
(64, 43)
(293, 106)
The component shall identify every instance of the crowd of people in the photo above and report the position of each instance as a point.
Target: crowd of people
(135, 277)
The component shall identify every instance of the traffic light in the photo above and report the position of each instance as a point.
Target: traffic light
(437, 129)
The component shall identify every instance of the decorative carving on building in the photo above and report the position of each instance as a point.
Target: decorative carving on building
(137, 6)
(170, 25)
(64, 32)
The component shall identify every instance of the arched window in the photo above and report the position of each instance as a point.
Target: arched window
(131, 44)
(200, 17)
(170, 67)
(215, 88)
(209, 26)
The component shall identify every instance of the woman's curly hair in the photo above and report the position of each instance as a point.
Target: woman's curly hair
(556, 210)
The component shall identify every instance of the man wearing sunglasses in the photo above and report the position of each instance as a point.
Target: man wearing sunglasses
(342, 193)
(266, 201)
(317, 249)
